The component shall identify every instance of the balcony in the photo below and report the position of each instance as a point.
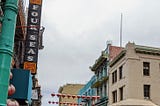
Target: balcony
(100, 80)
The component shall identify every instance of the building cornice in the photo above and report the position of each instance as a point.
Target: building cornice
(99, 61)
(147, 50)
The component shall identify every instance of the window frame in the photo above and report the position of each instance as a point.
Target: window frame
(114, 96)
(146, 68)
(114, 77)
(121, 95)
(120, 72)
(147, 91)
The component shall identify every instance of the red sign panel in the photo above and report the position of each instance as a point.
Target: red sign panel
(30, 66)
(39, 2)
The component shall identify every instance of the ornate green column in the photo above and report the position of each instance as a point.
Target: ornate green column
(6, 46)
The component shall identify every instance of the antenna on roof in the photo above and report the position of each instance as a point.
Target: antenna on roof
(121, 30)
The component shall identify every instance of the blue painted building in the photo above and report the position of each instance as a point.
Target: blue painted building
(87, 90)
(100, 68)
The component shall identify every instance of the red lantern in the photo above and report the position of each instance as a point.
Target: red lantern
(88, 97)
(98, 97)
(11, 90)
(68, 95)
(49, 102)
(12, 102)
(63, 95)
(67, 103)
(83, 97)
(52, 94)
(58, 95)
(80, 104)
(93, 97)
(53, 102)
(73, 96)
(78, 96)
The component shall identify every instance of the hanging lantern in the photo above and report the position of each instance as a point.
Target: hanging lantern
(56, 102)
(78, 96)
(93, 97)
(52, 94)
(67, 103)
(63, 95)
(80, 104)
(64, 103)
(58, 95)
(88, 97)
(49, 102)
(83, 97)
(68, 95)
(11, 90)
(53, 102)
(73, 96)
(98, 97)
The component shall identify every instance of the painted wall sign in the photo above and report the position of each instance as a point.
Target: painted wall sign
(32, 37)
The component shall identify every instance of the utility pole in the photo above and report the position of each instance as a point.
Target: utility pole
(6, 46)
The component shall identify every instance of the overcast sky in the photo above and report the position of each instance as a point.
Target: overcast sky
(76, 32)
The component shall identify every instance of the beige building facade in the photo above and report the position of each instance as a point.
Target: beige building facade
(70, 90)
(134, 77)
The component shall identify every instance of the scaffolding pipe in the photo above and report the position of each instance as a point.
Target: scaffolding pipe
(6, 46)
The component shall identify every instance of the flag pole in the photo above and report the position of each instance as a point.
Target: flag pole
(121, 30)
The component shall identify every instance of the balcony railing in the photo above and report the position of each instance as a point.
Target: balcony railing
(100, 80)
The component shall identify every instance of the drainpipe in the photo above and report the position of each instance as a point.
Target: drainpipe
(6, 46)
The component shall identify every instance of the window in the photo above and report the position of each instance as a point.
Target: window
(98, 91)
(101, 91)
(120, 72)
(114, 76)
(114, 93)
(105, 90)
(146, 91)
(89, 92)
(121, 93)
(97, 74)
(146, 68)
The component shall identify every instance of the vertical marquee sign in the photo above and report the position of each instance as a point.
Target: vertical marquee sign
(33, 27)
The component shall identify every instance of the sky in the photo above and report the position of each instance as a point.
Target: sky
(76, 31)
